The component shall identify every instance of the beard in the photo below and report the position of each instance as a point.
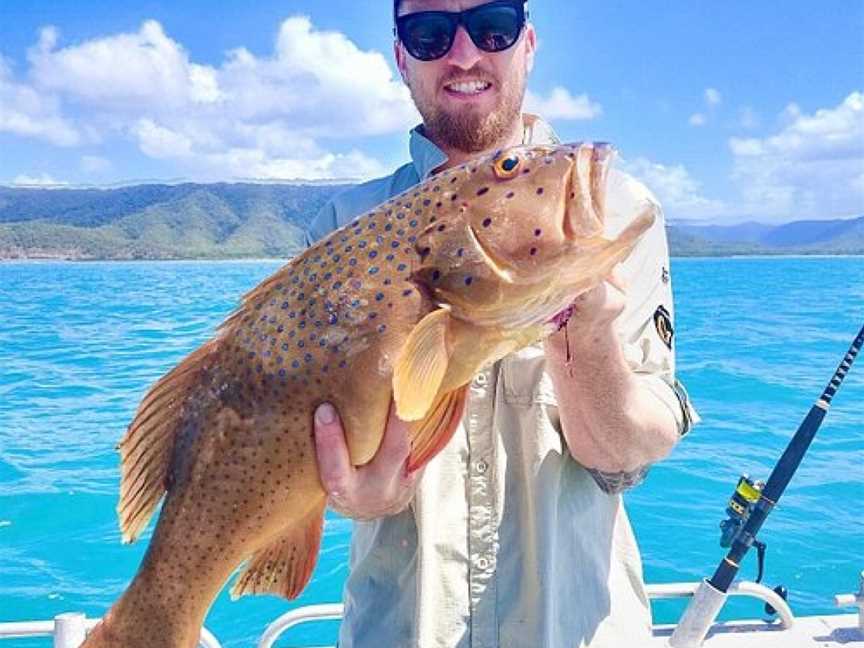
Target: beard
(470, 130)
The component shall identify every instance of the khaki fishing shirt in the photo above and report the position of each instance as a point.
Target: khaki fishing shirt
(509, 542)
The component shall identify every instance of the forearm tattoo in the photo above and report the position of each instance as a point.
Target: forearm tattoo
(613, 483)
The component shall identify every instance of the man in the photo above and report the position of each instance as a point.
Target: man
(515, 534)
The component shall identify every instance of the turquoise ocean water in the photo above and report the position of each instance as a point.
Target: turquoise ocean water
(757, 341)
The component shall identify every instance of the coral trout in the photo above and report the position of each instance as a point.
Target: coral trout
(406, 303)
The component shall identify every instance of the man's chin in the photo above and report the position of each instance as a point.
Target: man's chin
(470, 129)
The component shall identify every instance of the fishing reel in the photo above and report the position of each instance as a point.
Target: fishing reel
(741, 504)
(746, 494)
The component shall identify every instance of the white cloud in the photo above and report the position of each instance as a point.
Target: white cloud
(161, 142)
(290, 111)
(95, 164)
(811, 168)
(712, 100)
(43, 181)
(27, 113)
(678, 192)
(560, 104)
(142, 70)
(712, 96)
(254, 164)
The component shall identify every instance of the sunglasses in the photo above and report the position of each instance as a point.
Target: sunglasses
(493, 27)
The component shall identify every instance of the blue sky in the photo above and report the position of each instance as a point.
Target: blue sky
(728, 111)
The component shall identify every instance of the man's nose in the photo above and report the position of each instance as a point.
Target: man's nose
(464, 53)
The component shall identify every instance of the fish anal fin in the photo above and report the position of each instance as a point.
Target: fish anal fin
(285, 566)
(421, 365)
(147, 446)
(430, 435)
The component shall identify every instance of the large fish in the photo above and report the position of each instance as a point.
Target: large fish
(407, 302)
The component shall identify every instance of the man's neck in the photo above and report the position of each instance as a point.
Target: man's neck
(456, 157)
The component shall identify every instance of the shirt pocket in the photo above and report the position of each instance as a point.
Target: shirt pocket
(524, 377)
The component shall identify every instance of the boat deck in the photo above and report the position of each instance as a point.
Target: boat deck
(788, 631)
(828, 631)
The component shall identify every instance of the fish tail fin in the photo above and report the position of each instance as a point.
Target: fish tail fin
(147, 445)
(285, 566)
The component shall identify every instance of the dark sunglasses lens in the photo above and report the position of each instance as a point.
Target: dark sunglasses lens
(495, 28)
(426, 36)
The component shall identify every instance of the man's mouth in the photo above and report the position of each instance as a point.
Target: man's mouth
(467, 88)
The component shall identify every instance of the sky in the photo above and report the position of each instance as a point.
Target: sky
(729, 111)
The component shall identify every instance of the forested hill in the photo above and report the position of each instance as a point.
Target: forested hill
(160, 221)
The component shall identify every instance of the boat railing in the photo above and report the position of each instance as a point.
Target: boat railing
(854, 600)
(307, 614)
(738, 588)
(68, 630)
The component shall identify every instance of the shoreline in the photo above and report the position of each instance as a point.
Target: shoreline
(71, 259)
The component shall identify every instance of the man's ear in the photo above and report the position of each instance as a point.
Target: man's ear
(530, 46)
(399, 55)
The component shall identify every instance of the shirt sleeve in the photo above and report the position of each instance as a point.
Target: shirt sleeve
(647, 325)
(323, 223)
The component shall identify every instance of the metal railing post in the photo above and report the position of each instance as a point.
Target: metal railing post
(849, 600)
(70, 629)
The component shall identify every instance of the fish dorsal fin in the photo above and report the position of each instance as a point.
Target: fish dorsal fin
(421, 365)
(146, 448)
(285, 566)
(429, 436)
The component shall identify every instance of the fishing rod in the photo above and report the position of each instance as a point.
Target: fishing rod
(755, 503)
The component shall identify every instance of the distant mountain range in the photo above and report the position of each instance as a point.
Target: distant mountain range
(267, 220)
(844, 236)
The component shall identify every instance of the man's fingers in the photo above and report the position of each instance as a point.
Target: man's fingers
(395, 446)
(334, 462)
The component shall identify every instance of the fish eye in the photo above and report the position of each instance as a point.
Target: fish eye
(506, 167)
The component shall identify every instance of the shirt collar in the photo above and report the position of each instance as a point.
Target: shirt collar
(427, 157)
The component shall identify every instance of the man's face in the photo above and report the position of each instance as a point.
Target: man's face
(469, 99)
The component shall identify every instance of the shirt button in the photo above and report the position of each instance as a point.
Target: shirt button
(482, 563)
(480, 380)
(482, 466)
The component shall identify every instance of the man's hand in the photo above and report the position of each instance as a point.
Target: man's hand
(614, 426)
(380, 488)
(594, 313)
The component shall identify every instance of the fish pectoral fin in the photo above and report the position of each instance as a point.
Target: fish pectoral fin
(421, 366)
(430, 435)
(285, 566)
